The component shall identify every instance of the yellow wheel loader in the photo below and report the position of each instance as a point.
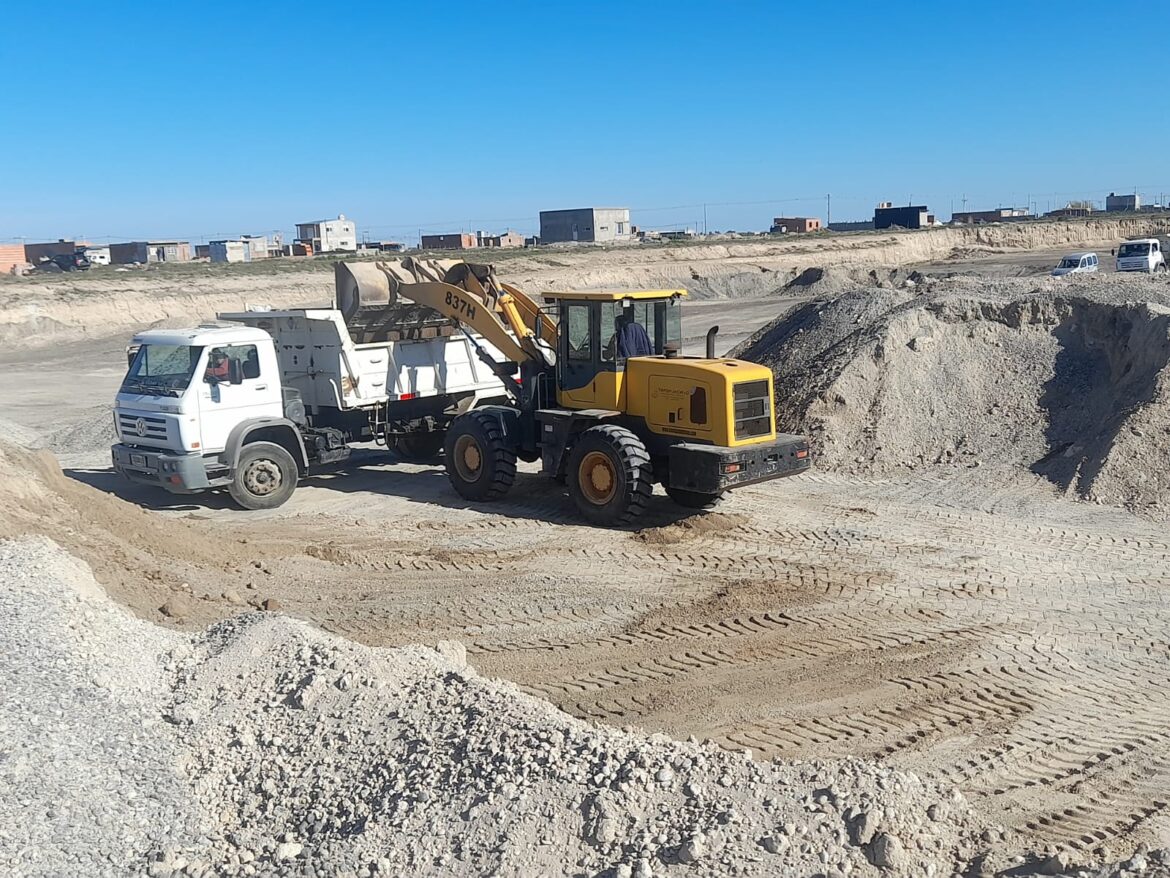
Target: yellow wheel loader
(600, 393)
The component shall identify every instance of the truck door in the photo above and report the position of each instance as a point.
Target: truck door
(222, 404)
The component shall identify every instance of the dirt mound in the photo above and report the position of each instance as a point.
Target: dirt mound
(1072, 383)
(142, 558)
(266, 742)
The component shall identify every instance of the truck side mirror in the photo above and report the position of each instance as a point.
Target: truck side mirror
(131, 353)
(1111, 251)
(235, 371)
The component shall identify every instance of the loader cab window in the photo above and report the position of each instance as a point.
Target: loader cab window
(667, 324)
(580, 338)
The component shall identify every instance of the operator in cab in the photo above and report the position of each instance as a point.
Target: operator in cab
(217, 367)
(630, 339)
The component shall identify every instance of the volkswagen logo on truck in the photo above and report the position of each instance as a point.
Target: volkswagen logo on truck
(140, 427)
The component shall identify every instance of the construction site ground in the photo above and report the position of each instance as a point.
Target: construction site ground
(976, 627)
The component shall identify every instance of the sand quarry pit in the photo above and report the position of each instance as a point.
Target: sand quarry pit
(955, 650)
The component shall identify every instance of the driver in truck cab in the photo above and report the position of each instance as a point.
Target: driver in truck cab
(217, 367)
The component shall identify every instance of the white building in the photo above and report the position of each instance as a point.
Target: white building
(328, 236)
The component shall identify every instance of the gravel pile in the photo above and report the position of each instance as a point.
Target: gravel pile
(264, 746)
(1069, 380)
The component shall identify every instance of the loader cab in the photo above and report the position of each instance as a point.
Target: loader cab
(599, 331)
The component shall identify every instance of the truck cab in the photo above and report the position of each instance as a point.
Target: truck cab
(1141, 254)
(189, 399)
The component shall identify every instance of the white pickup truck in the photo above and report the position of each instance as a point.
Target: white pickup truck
(251, 402)
(1141, 254)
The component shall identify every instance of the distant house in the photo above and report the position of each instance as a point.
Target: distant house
(257, 246)
(143, 252)
(12, 259)
(380, 247)
(236, 250)
(454, 241)
(915, 216)
(999, 215)
(37, 253)
(1123, 202)
(508, 239)
(1069, 212)
(795, 224)
(329, 236)
(585, 224)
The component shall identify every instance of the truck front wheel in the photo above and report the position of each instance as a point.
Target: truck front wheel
(265, 476)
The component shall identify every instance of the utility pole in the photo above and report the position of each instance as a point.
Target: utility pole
(704, 219)
(828, 209)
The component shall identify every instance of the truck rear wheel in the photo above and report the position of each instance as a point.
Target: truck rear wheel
(481, 464)
(609, 475)
(420, 447)
(695, 499)
(265, 476)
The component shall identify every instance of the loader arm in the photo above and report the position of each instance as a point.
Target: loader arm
(473, 310)
(464, 292)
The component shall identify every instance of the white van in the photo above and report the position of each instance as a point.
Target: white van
(1141, 254)
(1076, 263)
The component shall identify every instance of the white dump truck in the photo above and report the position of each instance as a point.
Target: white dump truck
(1141, 254)
(252, 401)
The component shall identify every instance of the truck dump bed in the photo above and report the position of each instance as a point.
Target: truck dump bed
(319, 357)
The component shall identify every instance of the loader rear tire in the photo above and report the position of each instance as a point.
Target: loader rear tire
(695, 499)
(481, 464)
(609, 475)
(265, 476)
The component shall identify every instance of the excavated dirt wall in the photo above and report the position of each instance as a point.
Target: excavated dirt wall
(106, 301)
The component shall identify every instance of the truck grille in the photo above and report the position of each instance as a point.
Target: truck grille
(151, 427)
(753, 409)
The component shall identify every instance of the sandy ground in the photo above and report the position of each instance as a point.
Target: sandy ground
(977, 629)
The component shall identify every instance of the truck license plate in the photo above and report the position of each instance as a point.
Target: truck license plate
(138, 460)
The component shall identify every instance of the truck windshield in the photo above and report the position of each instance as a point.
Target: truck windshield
(161, 369)
(1069, 262)
(1136, 248)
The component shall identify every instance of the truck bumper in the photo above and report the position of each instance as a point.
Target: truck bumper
(177, 473)
(710, 469)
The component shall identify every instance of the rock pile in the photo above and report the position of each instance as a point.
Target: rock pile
(1070, 381)
(264, 746)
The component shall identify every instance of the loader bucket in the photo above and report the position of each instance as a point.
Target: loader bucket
(360, 285)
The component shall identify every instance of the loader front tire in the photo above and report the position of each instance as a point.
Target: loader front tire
(265, 476)
(609, 475)
(481, 464)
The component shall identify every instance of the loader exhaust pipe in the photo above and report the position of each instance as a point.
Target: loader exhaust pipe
(711, 333)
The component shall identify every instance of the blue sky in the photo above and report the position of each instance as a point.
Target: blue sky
(214, 119)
